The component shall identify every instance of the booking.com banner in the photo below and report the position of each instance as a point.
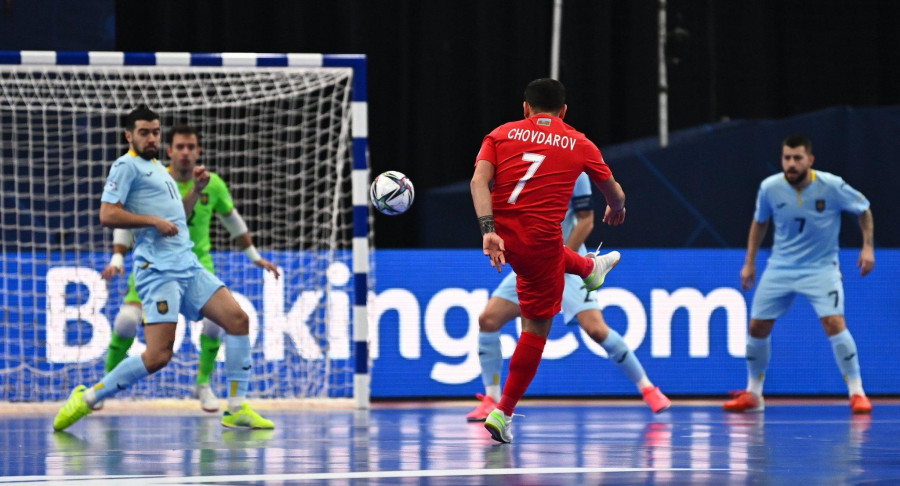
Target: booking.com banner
(682, 311)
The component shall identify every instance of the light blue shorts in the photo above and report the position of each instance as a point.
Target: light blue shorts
(165, 293)
(575, 297)
(777, 288)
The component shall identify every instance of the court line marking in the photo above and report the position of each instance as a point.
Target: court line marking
(151, 480)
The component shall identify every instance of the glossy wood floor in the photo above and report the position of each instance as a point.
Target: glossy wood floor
(563, 443)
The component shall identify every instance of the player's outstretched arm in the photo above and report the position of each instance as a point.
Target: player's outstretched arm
(491, 243)
(238, 230)
(114, 216)
(615, 201)
(122, 239)
(583, 228)
(748, 271)
(866, 260)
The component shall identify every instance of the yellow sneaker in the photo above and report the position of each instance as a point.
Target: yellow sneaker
(73, 410)
(246, 418)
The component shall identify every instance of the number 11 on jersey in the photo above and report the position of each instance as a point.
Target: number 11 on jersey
(536, 160)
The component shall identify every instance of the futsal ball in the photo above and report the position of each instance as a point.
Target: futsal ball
(392, 193)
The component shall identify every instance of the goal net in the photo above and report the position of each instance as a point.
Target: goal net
(280, 137)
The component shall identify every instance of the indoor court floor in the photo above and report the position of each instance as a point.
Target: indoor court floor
(557, 443)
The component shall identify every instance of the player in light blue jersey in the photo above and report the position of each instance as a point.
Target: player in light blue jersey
(805, 206)
(578, 302)
(142, 196)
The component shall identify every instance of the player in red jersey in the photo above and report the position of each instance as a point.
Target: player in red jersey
(533, 164)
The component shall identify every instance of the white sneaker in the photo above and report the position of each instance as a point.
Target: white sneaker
(602, 265)
(500, 426)
(209, 402)
(98, 406)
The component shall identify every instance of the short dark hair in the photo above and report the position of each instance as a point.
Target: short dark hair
(546, 95)
(182, 129)
(139, 113)
(795, 141)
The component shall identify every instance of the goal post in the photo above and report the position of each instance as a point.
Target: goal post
(288, 133)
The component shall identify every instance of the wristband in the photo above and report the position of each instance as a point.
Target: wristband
(252, 254)
(117, 260)
(487, 224)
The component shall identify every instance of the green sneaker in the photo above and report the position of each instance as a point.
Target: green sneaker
(499, 425)
(73, 410)
(602, 265)
(246, 418)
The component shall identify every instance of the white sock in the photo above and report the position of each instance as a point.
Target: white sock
(854, 386)
(643, 383)
(234, 403)
(847, 359)
(754, 385)
(493, 391)
(759, 350)
(90, 397)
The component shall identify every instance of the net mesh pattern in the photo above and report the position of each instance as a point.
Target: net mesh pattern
(280, 139)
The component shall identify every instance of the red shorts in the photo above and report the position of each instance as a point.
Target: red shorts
(540, 280)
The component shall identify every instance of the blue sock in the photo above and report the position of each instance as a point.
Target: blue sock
(491, 359)
(237, 365)
(759, 350)
(623, 357)
(130, 370)
(844, 348)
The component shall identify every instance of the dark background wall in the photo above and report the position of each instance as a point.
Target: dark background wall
(700, 191)
(443, 73)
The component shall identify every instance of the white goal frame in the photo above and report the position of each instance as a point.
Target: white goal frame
(361, 252)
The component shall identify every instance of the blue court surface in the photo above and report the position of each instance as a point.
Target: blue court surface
(560, 442)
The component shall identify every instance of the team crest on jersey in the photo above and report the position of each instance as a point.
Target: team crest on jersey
(544, 122)
(204, 198)
(820, 205)
(162, 307)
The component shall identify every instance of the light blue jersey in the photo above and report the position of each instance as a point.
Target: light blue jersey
(806, 221)
(575, 297)
(581, 201)
(168, 276)
(145, 187)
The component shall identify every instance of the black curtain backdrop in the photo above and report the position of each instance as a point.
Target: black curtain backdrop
(444, 73)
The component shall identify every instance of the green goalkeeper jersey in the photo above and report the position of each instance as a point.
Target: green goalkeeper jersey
(214, 198)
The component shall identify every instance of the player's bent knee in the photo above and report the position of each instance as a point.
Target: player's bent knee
(834, 324)
(488, 323)
(238, 324)
(761, 328)
(127, 321)
(595, 327)
(597, 334)
(156, 360)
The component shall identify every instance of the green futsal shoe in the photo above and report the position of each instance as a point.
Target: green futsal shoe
(246, 418)
(74, 409)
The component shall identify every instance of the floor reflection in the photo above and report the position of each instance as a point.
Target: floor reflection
(554, 445)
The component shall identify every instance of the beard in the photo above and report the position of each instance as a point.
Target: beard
(149, 153)
(795, 178)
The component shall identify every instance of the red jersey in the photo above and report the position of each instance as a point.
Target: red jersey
(537, 161)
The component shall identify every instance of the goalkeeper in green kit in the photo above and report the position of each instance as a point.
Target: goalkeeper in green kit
(183, 149)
